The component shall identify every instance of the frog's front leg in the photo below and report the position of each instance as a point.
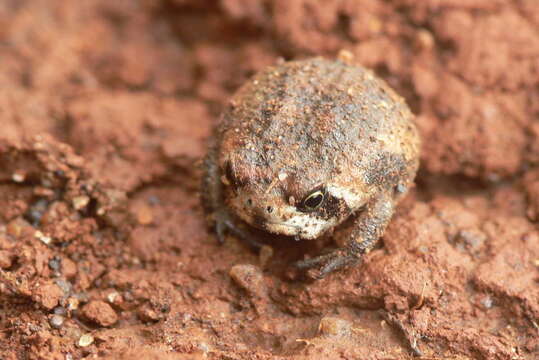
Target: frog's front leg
(368, 228)
(212, 199)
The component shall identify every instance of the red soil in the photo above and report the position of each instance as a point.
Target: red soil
(105, 107)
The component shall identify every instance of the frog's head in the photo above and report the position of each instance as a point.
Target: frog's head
(282, 204)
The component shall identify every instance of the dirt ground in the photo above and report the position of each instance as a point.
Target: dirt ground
(105, 108)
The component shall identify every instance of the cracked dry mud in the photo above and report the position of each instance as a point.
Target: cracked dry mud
(105, 108)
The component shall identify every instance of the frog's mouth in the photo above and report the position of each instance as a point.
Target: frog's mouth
(292, 230)
(301, 226)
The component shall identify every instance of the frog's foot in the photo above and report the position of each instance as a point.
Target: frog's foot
(320, 266)
(225, 222)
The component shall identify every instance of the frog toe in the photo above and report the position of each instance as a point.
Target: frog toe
(320, 266)
(225, 223)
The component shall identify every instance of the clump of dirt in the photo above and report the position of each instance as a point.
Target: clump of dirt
(105, 108)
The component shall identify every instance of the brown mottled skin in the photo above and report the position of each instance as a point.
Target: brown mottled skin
(315, 126)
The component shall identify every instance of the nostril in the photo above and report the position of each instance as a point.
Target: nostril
(269, 209)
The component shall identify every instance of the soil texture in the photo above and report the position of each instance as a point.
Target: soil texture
(105, 111)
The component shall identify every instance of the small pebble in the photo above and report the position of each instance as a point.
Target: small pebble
(48, 295)
(18, 176)
(86, 340)
(424, 39)
(487, 302)
(73, 303)
(249, 277)
(472, 237)
(100, 313)
(144, 215)
(113, 297)
(203, 347)
(345, 56)
(42, 237)
(187, 317)
(60, 310)
(54, 264)
(147, 314)
(80, 202)
(69, 268)
(401, 189)
(36, 211)
(82, 297)
(64, 285)
(128, 296)
(56, 321)
(332, 326)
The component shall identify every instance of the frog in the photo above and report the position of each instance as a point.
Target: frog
(305, 146)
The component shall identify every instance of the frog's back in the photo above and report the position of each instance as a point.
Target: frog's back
(322, 118)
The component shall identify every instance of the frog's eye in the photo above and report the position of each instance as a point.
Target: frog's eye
(313, 200)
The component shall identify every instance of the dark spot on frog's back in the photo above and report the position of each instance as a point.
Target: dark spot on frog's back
(386, 169)
(267, 113)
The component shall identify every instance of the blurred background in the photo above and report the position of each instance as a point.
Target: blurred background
(123, 95)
